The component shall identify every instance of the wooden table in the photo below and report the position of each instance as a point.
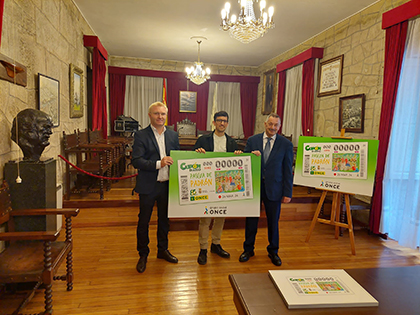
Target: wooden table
(396, 289)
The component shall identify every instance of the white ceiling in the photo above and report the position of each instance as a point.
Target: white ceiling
(161, 29)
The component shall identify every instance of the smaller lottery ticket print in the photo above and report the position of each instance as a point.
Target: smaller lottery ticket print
(215, 179)
(337, 160)
(318, 285)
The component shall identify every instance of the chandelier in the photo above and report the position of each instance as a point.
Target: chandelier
(246, 27)
(196, 73)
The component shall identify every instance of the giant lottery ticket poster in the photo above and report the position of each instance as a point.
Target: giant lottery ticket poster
(346, 166)
(214, 184)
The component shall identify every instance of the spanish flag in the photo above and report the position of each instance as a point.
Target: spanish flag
(164, 98)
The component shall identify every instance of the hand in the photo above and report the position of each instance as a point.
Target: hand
(237, 152)
(286, 199)
(200, 150)
(256, 152)
(167, 160)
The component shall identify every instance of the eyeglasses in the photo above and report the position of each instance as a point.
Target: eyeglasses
(221, 121)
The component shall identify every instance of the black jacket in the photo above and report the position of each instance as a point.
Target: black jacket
(207, 143)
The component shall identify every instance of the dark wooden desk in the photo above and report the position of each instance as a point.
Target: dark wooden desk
(396, 289)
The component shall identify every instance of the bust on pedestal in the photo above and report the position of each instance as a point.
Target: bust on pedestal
(32, 181)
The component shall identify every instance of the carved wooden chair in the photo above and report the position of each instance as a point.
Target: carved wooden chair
(186, 128)
(34, 257)
(117, 146)
(92, 159)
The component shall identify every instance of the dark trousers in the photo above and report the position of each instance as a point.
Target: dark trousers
(160, 195)
(272, 211)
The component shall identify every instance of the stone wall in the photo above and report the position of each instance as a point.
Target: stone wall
(177, 66)
(361, 40)
(46, 37)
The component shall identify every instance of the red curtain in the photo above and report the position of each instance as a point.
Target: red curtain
(176, 82)
(249, 99)
(200, 117)
(1, 17)
(394, 52)
(308, 97)
(99, 113)
(116, 97)
(280, 96)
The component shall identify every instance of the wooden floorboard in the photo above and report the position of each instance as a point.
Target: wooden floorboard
(106, 281)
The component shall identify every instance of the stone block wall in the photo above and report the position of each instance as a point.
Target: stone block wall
(177, 66)
(46, 37)
(361, 40)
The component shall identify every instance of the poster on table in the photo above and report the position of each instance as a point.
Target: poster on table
(342, 165)
(214, 184)
(320, 289)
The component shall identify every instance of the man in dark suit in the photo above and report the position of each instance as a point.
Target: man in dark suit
(217, 141)
(276, 184)
(151, 150)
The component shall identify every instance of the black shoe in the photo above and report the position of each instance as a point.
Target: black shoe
(245, 256)
(141, 264)
(167, 256)
(202, 257)
(275, 259)
(217, 249)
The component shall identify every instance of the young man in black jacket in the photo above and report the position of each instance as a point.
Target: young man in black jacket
(217, 141)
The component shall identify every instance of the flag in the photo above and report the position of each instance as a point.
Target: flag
(164, 99)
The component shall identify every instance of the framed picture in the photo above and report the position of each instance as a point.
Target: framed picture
(76, 92)
(352, 113)
(49, 97)
(330, 76)
(268, 92)
(187, 102)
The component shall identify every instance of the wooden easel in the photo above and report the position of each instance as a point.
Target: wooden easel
(335, 212)
(335, 217)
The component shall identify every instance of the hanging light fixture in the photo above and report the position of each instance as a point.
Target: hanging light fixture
(196, 73)
(246, 28)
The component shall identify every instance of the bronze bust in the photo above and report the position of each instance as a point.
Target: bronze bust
(34, 128)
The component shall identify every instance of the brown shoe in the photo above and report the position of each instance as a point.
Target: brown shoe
(141, 264)
(167, 256)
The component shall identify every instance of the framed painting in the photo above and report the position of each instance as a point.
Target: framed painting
(352, 113)
(76, 92)
(49, 97)
(187, 102)
(269, 81)
(330, 76)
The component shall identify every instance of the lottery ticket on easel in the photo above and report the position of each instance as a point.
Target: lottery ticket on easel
(214, 179)
(335, 160)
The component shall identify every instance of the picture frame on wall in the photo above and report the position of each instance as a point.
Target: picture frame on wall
(49, 97)
(76, 92)
(352, 113)
(187, 102)
(330, 76)
(269, 81)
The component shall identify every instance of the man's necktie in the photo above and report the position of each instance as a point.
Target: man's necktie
(267, 149)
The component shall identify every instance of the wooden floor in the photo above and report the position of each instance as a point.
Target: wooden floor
(106, 281)
(105, 257)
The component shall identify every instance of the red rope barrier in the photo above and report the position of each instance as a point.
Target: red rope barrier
(93, 175)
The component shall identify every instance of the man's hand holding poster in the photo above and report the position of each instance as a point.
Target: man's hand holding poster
(214, 184)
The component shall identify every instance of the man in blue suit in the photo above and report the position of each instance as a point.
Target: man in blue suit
(151, 149)
(276, 185)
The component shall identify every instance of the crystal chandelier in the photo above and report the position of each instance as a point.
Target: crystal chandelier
(246, 27)
(196, 73)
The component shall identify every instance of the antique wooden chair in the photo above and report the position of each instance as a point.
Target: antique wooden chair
(92, 159)
(34, 256)
(116, 144)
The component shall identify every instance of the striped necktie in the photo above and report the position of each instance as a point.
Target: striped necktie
(267, 149)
